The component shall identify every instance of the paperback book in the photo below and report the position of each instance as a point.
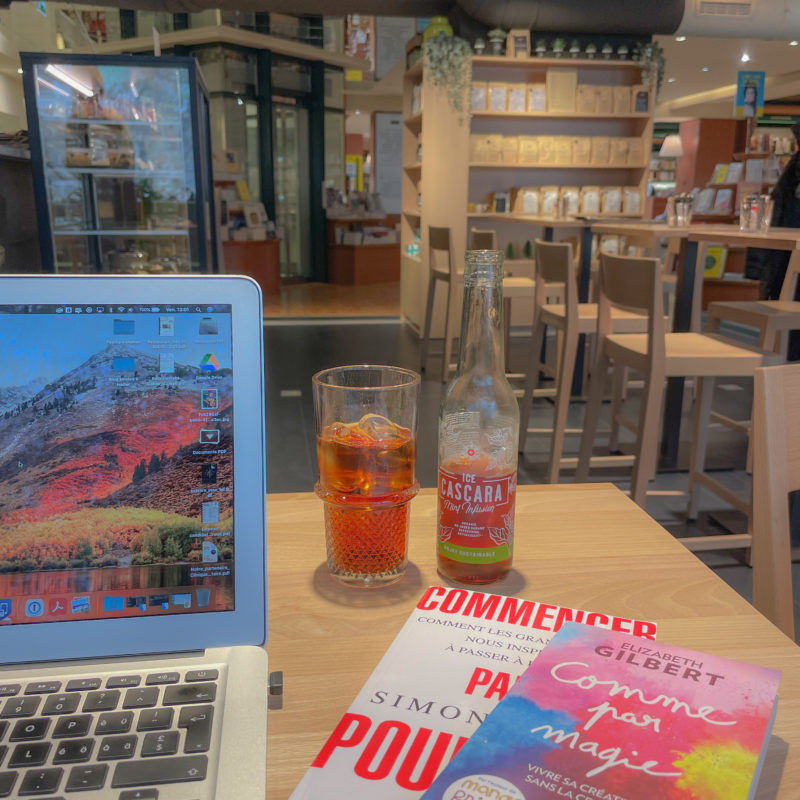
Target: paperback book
(600, 714)
(453, 660)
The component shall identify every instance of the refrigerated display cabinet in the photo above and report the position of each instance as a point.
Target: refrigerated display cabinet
(121, 157)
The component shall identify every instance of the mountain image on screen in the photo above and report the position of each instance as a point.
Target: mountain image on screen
(98, 466)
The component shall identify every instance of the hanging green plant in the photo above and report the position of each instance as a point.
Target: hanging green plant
(449, 67)
(650, 57)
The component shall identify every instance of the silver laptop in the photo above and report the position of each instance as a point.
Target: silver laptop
(132, 538)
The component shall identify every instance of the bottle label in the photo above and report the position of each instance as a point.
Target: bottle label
(476, 516)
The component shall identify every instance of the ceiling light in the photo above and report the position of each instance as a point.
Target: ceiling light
(745, 58)
(680, 38)
(705, 69)
(671, 80)
(69, 80)
(357, 111)
(52, 86)
(793, 43)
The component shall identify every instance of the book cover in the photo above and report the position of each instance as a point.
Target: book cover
(715, 259)
(720, 173)
(602, 714)
(455, 657)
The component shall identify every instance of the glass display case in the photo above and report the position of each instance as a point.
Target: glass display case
(120, 148)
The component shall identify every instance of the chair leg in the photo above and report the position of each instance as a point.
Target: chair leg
(618, 382)
(644, 465)
(566, 368)
(591, 416)
(702, 418)
(448, 335)
(426, 326)
(531, 381)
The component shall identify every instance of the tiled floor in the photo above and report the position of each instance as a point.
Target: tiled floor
(295, 349)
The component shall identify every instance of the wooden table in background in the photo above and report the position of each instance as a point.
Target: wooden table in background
(585, 546)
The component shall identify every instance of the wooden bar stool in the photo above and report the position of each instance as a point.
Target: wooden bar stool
(635, 283)
(772, 318)
(555, 265)
(776, 472)
(441, 269)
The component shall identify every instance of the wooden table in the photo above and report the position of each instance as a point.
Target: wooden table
(585, 546)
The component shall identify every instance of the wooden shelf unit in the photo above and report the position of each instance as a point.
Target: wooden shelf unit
(448, 182)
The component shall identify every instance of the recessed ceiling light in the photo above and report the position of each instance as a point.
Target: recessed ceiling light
(745, 58)
(793, 43)
(705, 69)
(680, 38)
(357, 111)
(19, 70)
(671, 80)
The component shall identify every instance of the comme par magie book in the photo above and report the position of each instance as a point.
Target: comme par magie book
(453, 660)
(601, 715)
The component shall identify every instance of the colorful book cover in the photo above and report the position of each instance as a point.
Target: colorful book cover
(453, 660)
(601, 714)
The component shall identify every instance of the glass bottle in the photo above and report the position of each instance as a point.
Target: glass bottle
(478, 428)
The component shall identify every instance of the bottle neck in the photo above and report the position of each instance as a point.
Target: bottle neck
(482, 322)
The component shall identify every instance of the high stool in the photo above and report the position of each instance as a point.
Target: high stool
(773, 319)
(635, 283)
(555, 265)
(439, 249)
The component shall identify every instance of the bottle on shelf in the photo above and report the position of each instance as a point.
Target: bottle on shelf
(478, 428)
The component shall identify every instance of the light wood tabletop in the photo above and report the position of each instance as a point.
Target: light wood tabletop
(583, 546)
(772, 239)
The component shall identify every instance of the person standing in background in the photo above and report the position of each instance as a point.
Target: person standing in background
(769, 266)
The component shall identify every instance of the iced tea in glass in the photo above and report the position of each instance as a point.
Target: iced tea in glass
(366, 419)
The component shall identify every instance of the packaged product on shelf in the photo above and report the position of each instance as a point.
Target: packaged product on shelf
(498, 97)
(562, 146)
(477, 147)
(549, 200)
(478, 96)
(610, 200)
(537, 97)
(622, 99)
(416, 99)
(605, 99)
(586, 99)
(561, 87)
(581, 149)
(590, 201)
(77, 156)
(494, 148)
(631, 200)
(528, 149)
(636, 155)
(525, 200)
(640, 98)
(99, 151)
(570, 196)
(547, 150)
(510, 149)
(516, 97)
(499, 202)
(618, 151)
(610, 244)
(600, 150)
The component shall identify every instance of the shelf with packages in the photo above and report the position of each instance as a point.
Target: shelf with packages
(582, 125)
(117, 140)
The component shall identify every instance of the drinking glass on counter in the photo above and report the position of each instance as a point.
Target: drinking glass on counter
(366, 426)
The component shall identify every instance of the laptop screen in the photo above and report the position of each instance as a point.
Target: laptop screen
(116, 461)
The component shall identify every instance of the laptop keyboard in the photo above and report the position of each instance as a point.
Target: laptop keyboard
(127, 733)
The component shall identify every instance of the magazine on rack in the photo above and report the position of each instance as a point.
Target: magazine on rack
(453, 660)
(603, 715)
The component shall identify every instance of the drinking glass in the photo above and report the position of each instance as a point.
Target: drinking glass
(366, 426)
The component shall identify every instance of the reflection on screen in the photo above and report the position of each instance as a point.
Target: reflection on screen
(116, 461)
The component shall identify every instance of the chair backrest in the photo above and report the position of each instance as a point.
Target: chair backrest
(632, 283)
(482, 239)
(776, 472)
(555, 264)
(789, 285)
(440, 256)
